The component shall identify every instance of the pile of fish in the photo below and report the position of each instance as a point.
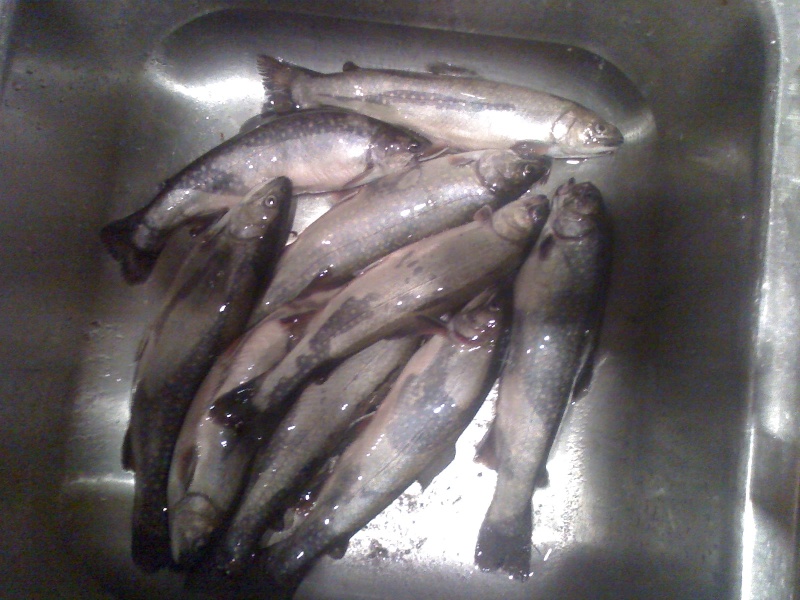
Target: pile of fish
(349, 361)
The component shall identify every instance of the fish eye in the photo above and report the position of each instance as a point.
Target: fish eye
(600, 128)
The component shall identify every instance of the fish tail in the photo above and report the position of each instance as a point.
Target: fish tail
(506, 546)
(277, 77)
(118, 238)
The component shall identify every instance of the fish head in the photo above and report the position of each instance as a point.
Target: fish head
(581, 133)
(507, 175)
(478, 326)
(253, 216)
(522, 220)
(394, 149)
(578, 207)
(192, 523)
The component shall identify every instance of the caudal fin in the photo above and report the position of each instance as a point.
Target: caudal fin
(277, 77)
(505, 546)
(117, 237)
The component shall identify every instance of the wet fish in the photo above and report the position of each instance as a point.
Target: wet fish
(318, 150)
(207, 307)
(201, 492)
(559, 297)
(462, 112)
(398, 210)
(430, 277)
(312, 429)
(414, 429)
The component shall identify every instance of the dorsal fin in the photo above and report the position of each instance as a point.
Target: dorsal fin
(443, 68)
(350, 66)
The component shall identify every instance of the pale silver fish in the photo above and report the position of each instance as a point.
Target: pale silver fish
(462, 112)
(313, 428)
(430, 277)
(559, 297)
(395, 211)
(319, 151)
(207, 307)
(414, 428)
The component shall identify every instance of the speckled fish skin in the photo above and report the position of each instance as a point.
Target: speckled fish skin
(319, 151)
(430, 405)
(398, 210)
(430, 277)
(559, 297)
(207, 308)
(312, 429)
(465, 113)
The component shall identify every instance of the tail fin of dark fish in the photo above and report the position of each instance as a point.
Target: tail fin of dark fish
(277, 77)
(117, 237)
(506, 546)
(233, 408)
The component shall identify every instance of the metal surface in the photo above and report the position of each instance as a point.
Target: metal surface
(676, 477)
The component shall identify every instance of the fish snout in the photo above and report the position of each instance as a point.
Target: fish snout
(192, 523)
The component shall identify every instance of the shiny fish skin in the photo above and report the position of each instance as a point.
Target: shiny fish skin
(209, 457)
(429, 406)
(398, 210)
(319, 151)
(311, 430)
(465, 113)
(430, 277)
(559, 297)
(199, 491)
(207, 307)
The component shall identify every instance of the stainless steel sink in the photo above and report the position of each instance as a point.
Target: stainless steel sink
(676, 477)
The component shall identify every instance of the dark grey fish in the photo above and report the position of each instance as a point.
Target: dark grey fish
(395, 211)
(318, 150)
(463, 112)
(429, 406)
(559, 297)
(207, 307)
(430, 277)
(313, 428)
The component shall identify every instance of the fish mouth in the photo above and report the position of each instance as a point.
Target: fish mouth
(192, 524)
(607, 137)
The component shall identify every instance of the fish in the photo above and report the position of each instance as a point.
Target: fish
(413, 431)
(425, 279)
(200, 492)
(322, 150)
(207, 307)
(395, 211)
(310, 432)
(559, 298)
(461, 112)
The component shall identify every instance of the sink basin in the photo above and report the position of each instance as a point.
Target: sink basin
(677, 476)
